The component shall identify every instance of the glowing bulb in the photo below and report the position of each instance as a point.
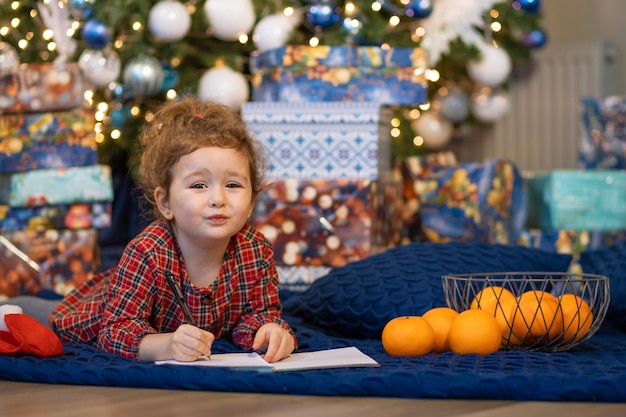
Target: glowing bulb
(395, 122)
(418, 141)
(432, 75)
(314, 41)
(376, 6)
(395, 132)
(137, 26)
(496, 26)
(116, 134)
(394, 20)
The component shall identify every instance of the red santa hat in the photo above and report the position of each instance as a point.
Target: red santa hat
(21, 334)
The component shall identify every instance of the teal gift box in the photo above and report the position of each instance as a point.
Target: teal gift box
(593, 200)
(43, 187)
(340, 73)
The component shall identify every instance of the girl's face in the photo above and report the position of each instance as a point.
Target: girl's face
(210, 197)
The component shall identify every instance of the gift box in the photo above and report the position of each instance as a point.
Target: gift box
(604, 126)
(322, 140)
(296, 73)
(64, 216)
(593, 200)
(473, 202)
(31, 141)
(570, 241)
(57, 186)
(413, 171)
(56, 260)
(42, 88)
(298, 278)
(328, 223)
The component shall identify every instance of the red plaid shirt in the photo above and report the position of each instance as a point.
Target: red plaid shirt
(118, 307)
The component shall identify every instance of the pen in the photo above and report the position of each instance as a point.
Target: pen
(178, 294)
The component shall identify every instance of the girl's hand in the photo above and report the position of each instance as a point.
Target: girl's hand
(188, 343)
(279, 342)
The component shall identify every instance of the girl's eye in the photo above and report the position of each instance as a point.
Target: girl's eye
(233, 185)
(198, 185)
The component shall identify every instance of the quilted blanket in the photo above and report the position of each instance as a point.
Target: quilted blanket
(361, 297)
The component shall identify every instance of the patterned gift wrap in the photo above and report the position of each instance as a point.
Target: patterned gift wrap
(56, 260)
(604, 141)
(473, 202)
(296, 73)
(65, 216)
(31, 141)
(298, 278)
(413, 171)
(322, 140)
(570, 241)
(328, 222)
(57, 186)
(593, 200)
(42, 88)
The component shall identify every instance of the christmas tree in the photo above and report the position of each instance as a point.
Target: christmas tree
(138, 53)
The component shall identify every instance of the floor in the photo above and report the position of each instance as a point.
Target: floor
(35, 400)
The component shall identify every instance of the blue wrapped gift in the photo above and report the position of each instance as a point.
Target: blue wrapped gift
(64, 216)
(604, 141)
(473, 202)
(570, 241)
(322, 140)
(593, 200)
(47, 140)
(340, 73)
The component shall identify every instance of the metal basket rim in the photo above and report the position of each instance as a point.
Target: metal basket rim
(524, 275)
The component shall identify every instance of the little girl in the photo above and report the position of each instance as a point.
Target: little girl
(201, 171)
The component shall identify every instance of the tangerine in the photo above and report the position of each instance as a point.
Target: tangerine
(440, 319)
(538, 317)
(488, 298)
(577, 317)
(505, 311)
(408, 336)
(474, 331)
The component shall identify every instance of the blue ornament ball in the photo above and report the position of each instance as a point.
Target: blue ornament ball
(535, 39)
(419, 9)
(96, 34)
(170, 78)
(529, 6)
(120, 116)
(323, 14)
(455, 105)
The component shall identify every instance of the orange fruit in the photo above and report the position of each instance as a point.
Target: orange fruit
(408, 336)
(504, 316)
(474, 331)
(488, 298)
(577, 317)
(440, 319)
(538, 318)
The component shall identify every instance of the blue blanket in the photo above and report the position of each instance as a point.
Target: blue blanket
(592, 371)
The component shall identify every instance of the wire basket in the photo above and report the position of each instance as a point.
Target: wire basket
(541, 311)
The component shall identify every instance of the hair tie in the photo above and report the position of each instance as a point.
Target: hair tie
(199, 116)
